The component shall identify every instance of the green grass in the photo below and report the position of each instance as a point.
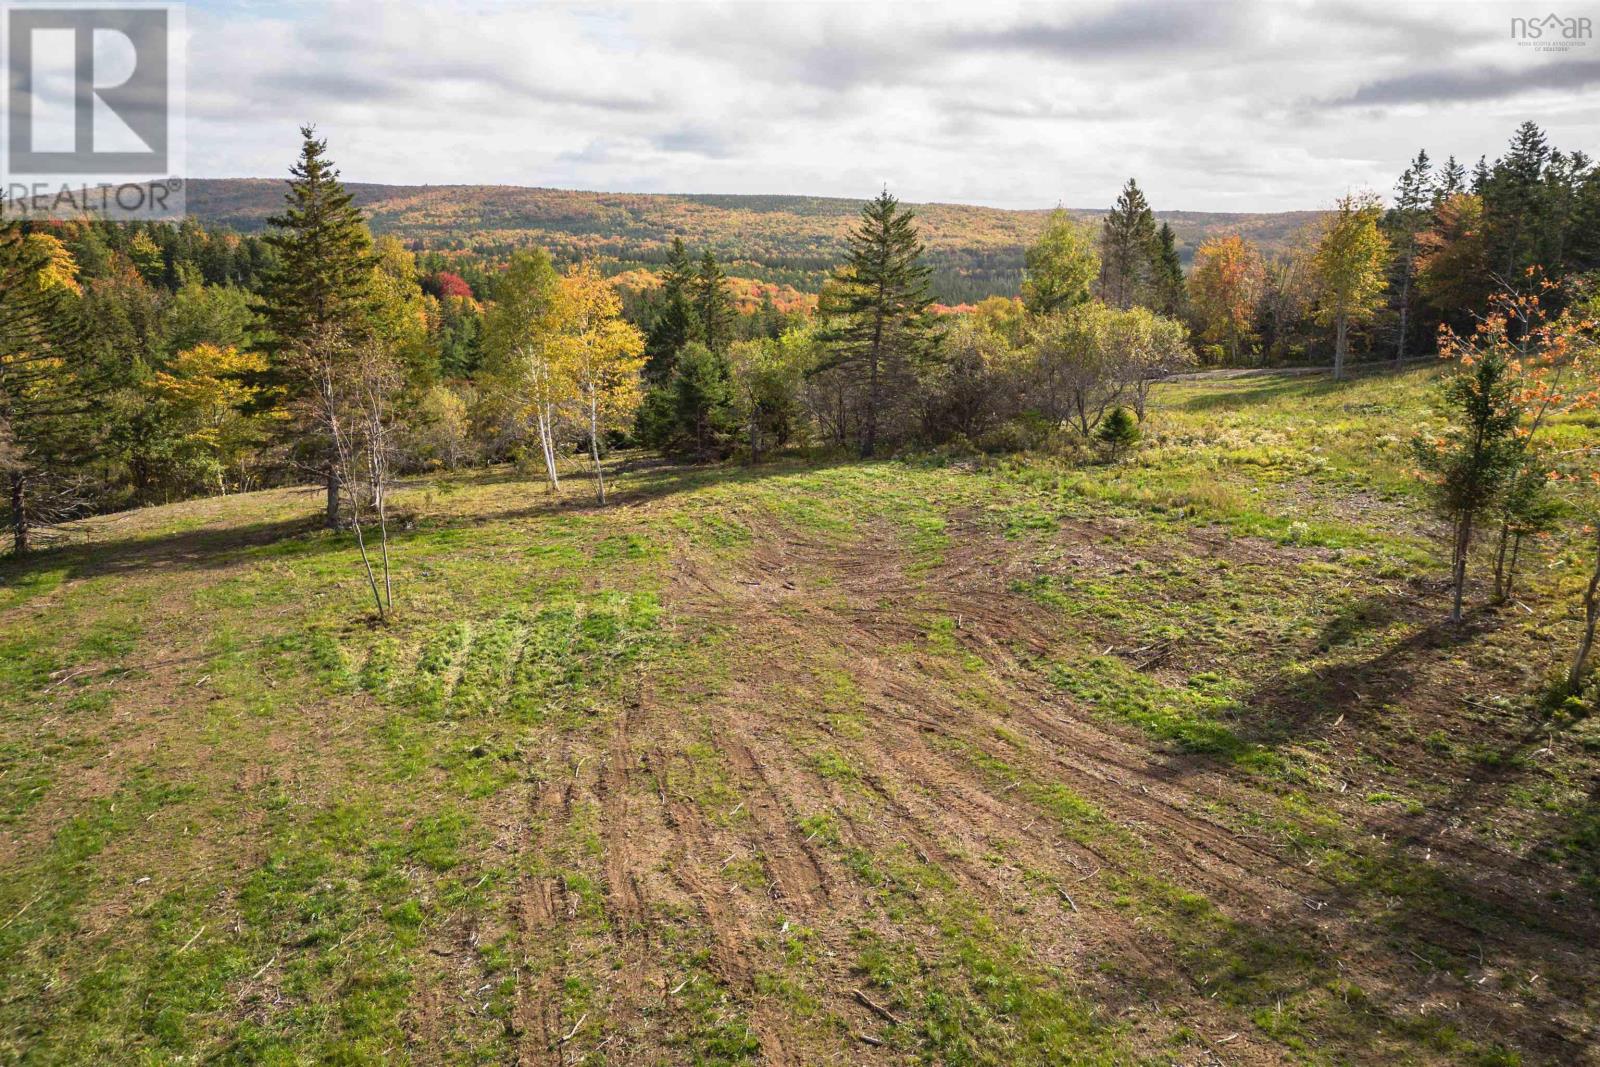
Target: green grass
(242, 822)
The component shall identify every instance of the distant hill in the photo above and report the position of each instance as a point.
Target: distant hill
(787, 240)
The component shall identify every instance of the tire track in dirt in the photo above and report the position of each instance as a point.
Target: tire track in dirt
(539, 911)
(1137, 789)
(797, 875)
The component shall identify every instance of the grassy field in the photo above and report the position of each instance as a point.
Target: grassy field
(910, 761)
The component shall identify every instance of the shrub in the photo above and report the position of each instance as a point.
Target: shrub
(1120, 431)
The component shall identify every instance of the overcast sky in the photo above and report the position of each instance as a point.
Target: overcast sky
(1211, 106)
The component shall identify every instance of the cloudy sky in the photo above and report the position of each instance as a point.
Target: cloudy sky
(1239, 106)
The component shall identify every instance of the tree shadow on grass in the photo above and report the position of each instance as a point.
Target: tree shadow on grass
(1438, 903)
(1257, 393)
(639, 480)
(199, 549)
(1293, 704)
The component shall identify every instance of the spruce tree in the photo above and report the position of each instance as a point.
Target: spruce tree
(1167, 288)
(1411, 213)
(674, 323)
(1127, 242)
(317, 296)
(1060, 267)
(44, 386)
(1452, 181)
(879, 300)
(1515, 203)
(714, 312)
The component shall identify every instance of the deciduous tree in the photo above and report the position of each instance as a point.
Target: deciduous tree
(1350, 261)
(44, 385)
(602, 355)
(522, 347)
(1225, 289)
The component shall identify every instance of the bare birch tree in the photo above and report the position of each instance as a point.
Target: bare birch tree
(522, 347)
(602, 355)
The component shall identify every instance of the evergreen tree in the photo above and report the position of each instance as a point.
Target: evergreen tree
(1119, 432)
(879, 299)
(42, 386)
(1471, 464)
(1167, 287)
(1411, 213)
(1515, 203)
(315, 298)
(1128, 243)
(673, 325)
(702, 400)
(1480, 175)
(715, 316)
(1452, 181)
(1060, 267)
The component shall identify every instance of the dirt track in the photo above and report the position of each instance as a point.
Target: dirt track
(703, 774)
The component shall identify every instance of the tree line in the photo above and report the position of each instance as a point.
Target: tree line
(146, 363)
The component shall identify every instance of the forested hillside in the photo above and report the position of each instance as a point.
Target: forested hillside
(787, 240)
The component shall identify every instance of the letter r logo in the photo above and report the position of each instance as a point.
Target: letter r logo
(89, 90)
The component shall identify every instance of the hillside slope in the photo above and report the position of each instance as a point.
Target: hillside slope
(879, 763)
(783, 239)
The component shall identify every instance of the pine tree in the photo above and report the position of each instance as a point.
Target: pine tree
(1413, 196)
(315, 299)
(1471, 464)
(674, 323)
(1127, 243)
(1167, 288)
(42, 383)
(701, 403)
(1452, 181)
(1119, 432)
(879, 299)
(1515, 202)
(1480, 175)
(714, 312)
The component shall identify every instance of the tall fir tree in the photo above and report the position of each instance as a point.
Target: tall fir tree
(1480, 175)
(1515, 203)
(319, 292)
(1127, 243)
(715, 316)
(1452, 181)
(1410, 214)
(673, 323)
(879, 300)
(1166, 283)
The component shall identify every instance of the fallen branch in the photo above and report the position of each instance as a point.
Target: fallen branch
(575, 1027)
(877, 1009)
(1068, 898)
(192, 940)
(24, 908)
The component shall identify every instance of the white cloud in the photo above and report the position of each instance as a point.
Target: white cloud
(1246, 107)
